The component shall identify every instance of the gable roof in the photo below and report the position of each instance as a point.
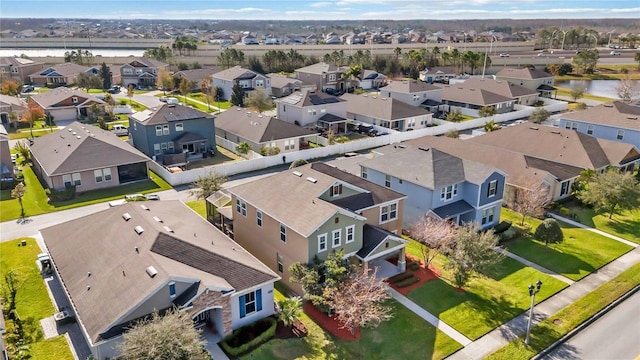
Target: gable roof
(428, 167)
(11, 103)
(409, 86)
(309, 98)
(182, 246)
(500, 87)
(80, 147)
(236, 73)
(381, 107)
(148, 62)
(319, 68)
(524, 73)
(617, 114)
(52, 97)
(475, 96)
(280, 81)
(64, 69)
(168, 113)
(257, 127)
(195, 74)
(17, 61)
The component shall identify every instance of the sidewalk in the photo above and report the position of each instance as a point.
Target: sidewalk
(517, 326)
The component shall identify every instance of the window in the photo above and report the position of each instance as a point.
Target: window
(363, 172)
(106, 172)
(250, 303)
(322, 242)
(289, 144)
(158, 130)
(170, 146)
(336, 238)
(487, 215)
(351, 230)
(156, 149)
(564, 189)
(571, 125)
(98, 175)
(165, 129)
(388, 213)
(280, 263)
(163, 147)
(77, 180)
(283, 233)
(172, 289)
(589, 129)
(260, 83)
(449, 192)
(493, 188)
(66, 180)
(127, 71)
(387, 180)
(259, 218)
(179, 126)
(336, 190)
(620, 135)
(416, 97)
(332, 77)
(312, 111)
(241, 207)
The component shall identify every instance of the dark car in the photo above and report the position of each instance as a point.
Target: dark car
(373, 132)
(114, 90)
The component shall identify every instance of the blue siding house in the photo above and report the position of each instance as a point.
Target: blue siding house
(173, 134)
(617, 121)
(438, 184)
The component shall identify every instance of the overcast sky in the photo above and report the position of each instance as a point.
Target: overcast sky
(321, 10)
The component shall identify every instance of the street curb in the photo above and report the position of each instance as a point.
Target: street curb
(586, 323)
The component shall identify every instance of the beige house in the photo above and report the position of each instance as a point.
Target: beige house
(386, 112)
(58, 75)
(413, 92)
(533, 79)
(19, 69)
(67, 104)
(307, 108)
(310, 211)
(11, 105)
(519, 93)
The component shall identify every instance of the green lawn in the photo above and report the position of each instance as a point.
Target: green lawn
(581, 253)
(567, 319)
(36, 203)
(567, 92)
(487, 301)
(388, 341)
(625, 225)
(199, 206)
(55, 348)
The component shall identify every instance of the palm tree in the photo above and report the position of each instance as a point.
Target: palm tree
(397, 51)
(446, 57)
(355, 71)
(290, 308)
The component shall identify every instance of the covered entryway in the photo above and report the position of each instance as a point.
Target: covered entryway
(194, 145)
(458, 212)
(379, 245)
(133, 172)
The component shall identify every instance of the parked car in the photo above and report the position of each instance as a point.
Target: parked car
(172, 101)
(163, 98)
(152, 196)
(27, 88)
(542, 54)
(120, 130)
(333, 92)
(373, 132)
(115, 89)
(504, 55)
(614, 53)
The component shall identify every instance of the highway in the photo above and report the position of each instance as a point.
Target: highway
(614, 336)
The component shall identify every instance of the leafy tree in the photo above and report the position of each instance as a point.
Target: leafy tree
(12, 283)
(130, 92)
(106, 76)
(319, 275)
(88, 81)
(625, 89)
(580, 106)
(164, 80)
(185, 88)
(576, 93)
(9, 87)
(636, 57)
(183, 66)
(473, 253)
(207, 185)
(580, 184)
(453, 133)
(434, 235)
(269, 150)
(539, 115)
(206, 86)
(259, 100)
(487, 111)
(170, 336)
(230, 57)
(612, 191)
(586, 61)
(196, 65)
(490, 126)
(359, 301)
(32, 114)
(354, 72)
(297, 163)
(80, 57)
(290, 310)
(243, 147)
(549, 231)
(455, 115)
(530, 198)
(23, 150)
(255, 65)
(13, 119)
(237, 95)
(161, 53)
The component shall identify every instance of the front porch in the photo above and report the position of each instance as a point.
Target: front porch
(378, 245)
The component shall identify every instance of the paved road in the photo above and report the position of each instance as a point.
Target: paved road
(614, 336)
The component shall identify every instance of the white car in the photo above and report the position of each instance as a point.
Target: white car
(504, 55)
(614, 53)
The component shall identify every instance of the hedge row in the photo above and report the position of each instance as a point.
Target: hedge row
(401, 277)
(262, 338)
(410, 281)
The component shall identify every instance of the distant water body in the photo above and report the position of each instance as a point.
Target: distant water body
(60, 52)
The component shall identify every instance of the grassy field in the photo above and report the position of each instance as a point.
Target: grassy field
(388, 341)
(581, 253)
(36, 201)
(567, 319)
(55, 348)
(625, 225)
(562, 91)
(199, 206)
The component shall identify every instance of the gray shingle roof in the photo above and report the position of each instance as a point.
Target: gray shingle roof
(524, 73)
(617, 114)
(475, 96)
(372, 237)
(456, 208)
(165, 114)
(500, 87)
(55, 96)
(381, 108)
(236, 72)
(257, 127)
(409, 86)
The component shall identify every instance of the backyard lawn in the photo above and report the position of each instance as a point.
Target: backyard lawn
(199, 206)
(581, 252)
(625, 225)
(32, 299)
(406, 336)
(35, 199)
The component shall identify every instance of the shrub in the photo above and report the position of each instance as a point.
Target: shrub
(509, 234)
(8, 185)
(502, 227)
(236, 344)
(549, 231)
(401, 277)
(412, 280)
(61, 195)
(414, 266)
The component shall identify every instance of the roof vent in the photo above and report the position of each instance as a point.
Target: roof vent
(555, 132)
(74, 133)
(533, 128)
(632, 117)
(78, 137)
(167, 229)
(238, 109)
(157, 219)
(144, 207)
(138, 229)
(311, 179)
(151, 271)
(69, 129)
(383, 98)
(297, 173)
(608, 105)
(126, 216)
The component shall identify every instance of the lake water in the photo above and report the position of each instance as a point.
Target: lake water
(60, 52)
(605, 88)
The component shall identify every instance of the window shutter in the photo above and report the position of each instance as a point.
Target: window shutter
(489, 190)
(331, 191)
(243, 310)
(259, 300)
(340, 189)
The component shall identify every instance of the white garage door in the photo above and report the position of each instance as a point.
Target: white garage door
(64, 114)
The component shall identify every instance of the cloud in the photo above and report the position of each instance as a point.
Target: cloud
(320, 4)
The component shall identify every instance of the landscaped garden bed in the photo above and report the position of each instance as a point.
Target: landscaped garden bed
(249, 337)
(415, 275)
(330, 324)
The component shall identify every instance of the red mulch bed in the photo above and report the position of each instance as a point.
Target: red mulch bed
(330, 324)
(296, 331)
(423, 274)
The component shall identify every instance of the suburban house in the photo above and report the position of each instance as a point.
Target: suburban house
(282, 85)
(10, 105)
(249, 40)
(86, 157)
(322, 75)
(6, 162)
(154, 256)
(63, 103)
(386, 112)
(141, 72)
(372, 80)
(470, 99)
(438, 74)
(438, 184)
(318, 209)
(195, 76)
(413, 92)
(520, 94)
(57, 75)
(310, 108)
(260, 131)
(247, 79)
(533, 79)
(173, 134)
(18, 69)
(534, 155)
(617, 121)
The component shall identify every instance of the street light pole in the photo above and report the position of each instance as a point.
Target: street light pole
(610, 33)
(533, 290)
(564, 35)
(484, 66)
(552, 38)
